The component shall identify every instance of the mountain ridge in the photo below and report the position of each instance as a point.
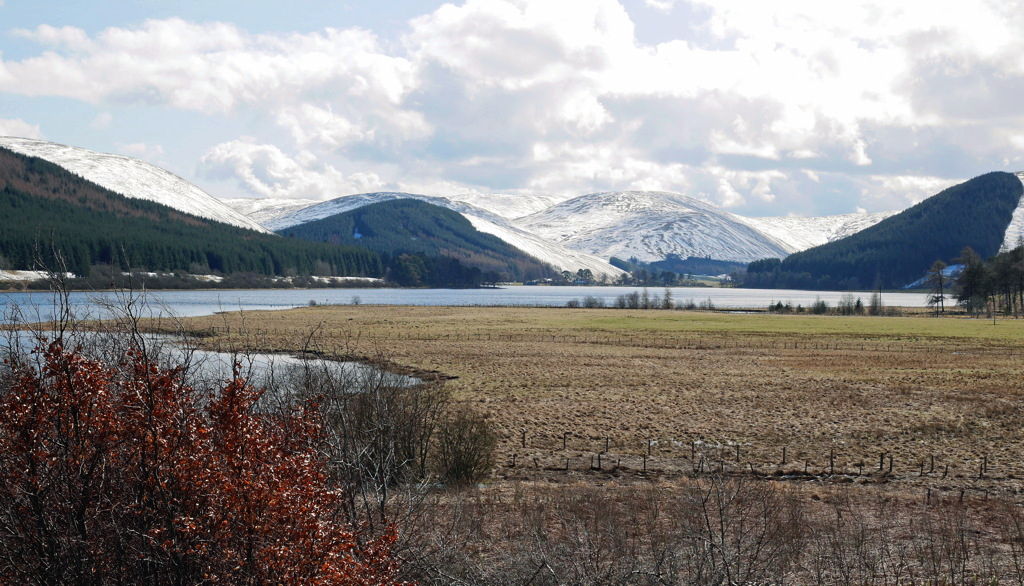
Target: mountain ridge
(132, 178)
(977, 213)
(483, 220)
(650, 226)
(411, 226)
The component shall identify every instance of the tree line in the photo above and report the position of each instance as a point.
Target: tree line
(988, 286)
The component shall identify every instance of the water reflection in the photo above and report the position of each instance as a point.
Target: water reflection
(210, 369)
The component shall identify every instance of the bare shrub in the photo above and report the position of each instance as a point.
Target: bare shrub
(465, 447)
(737, 531)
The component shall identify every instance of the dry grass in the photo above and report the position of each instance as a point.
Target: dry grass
(834, 392)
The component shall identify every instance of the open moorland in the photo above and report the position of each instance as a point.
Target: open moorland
(915, 402)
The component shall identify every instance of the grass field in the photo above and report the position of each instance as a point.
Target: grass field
(677, 391)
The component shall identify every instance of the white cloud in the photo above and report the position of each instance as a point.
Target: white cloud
(66, 36)
(901, 190)
(661, 5)
(267, 171)
(19, 128)
(773, 104)
(210, 68)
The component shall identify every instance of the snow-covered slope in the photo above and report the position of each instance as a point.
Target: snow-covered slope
(265, 209)
(1015, 231)
(484, 221)
(650, 225)
(132, 178)
(509, 205)
(799, 233)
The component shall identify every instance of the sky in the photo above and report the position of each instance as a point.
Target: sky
(795, 107)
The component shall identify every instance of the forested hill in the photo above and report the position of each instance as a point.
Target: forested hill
(899, 249)
(45, 209)
(409, 226)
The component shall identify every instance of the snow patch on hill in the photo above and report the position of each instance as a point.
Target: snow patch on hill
(132, 178)
(29, 275)
(265, 209)
(1015, 231)
(483, 220)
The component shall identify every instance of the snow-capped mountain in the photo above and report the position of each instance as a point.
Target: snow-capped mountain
(484, 221)
(650, 225)
(800, 233)
(1015, 231)
(132, 178)
(265, 209)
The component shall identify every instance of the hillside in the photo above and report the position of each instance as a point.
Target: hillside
(410, 226)
(650, 226)
(44, 209)
(266, 209)
(899, 249)
(547, 252)
(132, 178)
(798, 233)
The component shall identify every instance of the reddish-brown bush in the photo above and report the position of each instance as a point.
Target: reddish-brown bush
(123, 474)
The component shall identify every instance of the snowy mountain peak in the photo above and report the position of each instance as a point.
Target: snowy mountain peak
(132, 178)
(650, 225)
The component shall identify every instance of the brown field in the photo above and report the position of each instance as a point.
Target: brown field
(677, 391)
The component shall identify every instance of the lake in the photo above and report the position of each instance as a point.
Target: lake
(37, 306)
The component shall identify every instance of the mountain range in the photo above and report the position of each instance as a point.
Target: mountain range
(585, 231)
(574, 234)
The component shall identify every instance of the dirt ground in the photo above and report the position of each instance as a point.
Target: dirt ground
(922, 402)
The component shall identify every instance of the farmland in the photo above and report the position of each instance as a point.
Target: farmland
(913, 402)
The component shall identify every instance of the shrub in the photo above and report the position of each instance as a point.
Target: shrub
(123, 474)
(466, 446)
